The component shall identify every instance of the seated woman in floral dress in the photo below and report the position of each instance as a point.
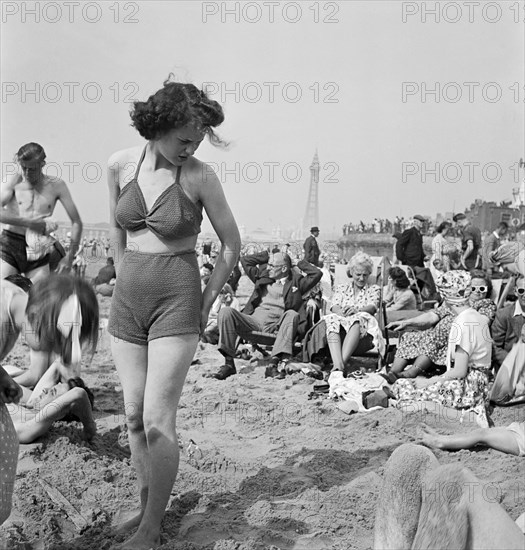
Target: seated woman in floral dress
(464, 385)
(351, 326)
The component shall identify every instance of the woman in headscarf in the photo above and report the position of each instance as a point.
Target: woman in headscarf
(464, 385)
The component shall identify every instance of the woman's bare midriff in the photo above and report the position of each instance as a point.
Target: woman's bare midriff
(147, 242)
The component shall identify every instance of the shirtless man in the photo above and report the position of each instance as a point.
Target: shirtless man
(27, 199)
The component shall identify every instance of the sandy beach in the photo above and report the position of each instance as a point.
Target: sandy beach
(263, 465)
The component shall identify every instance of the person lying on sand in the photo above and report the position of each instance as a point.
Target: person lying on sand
(52, 400)
(426, 505)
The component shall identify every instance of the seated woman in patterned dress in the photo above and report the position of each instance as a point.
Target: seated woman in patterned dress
(426, 348)
(351, 325)
(464, 385)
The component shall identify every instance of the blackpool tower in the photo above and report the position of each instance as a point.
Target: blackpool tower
(311, 216)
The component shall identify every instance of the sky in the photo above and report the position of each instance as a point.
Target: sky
(411, 110)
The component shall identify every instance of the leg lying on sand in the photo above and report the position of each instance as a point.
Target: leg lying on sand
(500, 439)
(424, 506)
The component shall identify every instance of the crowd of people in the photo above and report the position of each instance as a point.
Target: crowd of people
(165, 298)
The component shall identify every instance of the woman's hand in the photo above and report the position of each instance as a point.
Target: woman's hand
(349, 310)
(396, 326)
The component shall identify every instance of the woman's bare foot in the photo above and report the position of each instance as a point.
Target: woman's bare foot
(127, 521)
(90, 430)
(139, 542)
(431, 438)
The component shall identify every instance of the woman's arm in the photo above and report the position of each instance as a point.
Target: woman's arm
(221, 217)
(39, 364)
(75, 401)
(48, 379)
(459, 371)
(117, 235)
(421, 322)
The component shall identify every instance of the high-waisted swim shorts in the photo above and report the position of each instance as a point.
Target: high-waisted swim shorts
(156, 295)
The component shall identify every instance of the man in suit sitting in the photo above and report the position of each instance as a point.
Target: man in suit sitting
(275, 306)
(409, 247)
(311, 247)
(507, 326)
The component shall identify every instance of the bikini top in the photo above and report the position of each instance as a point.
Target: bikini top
(173, 215)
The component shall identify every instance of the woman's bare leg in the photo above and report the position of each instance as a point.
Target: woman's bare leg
(131, 361)
(420, 366)
(168, 362)
(334, 345)
(351, 342)
(399, 365)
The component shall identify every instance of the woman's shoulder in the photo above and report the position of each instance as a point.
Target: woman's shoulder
(123, 158)
(470, 315)
(199, 172)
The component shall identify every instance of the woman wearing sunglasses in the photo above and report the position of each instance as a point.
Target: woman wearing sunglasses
(464, 384)
(425, 348)
(479, 298)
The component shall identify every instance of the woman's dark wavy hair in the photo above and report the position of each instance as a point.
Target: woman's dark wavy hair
(46, 298)
(399, 277)
(478, 274)
(442, 226)
(173, 106)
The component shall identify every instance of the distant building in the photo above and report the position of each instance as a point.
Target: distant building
(487, 215)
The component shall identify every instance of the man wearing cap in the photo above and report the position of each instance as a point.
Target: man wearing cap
(311, 247)
(470, 242)
(409, 247)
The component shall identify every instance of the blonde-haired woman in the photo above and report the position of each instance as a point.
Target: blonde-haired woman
(350, 326)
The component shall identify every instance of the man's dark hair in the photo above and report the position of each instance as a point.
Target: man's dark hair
(503, 225)
(110, 261)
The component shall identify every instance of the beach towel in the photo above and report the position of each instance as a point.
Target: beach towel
(351, 390)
